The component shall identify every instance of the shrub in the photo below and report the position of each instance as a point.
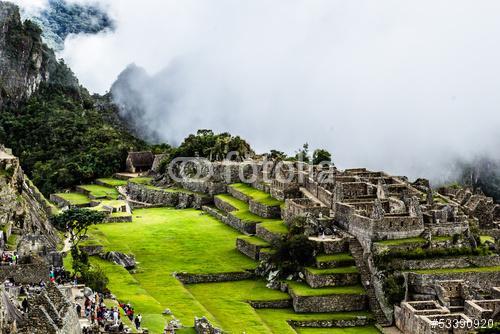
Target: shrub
(394, 288)
(293, 254)
(96, 279)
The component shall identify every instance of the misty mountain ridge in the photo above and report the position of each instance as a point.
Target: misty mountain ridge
(59, 19)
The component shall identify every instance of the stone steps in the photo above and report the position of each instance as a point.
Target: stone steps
(333, 299)
(341, 276)
(358, 254)
(327, 261)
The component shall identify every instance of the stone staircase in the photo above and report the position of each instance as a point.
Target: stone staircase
(366, 279)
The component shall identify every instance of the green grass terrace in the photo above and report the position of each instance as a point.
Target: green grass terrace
(98, 191)
(255, 194)
(242, 210)
(75, 198)
(112, 182)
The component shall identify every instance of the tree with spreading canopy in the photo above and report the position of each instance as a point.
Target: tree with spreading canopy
(76, 222)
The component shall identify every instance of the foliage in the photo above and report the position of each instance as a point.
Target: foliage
(394, 288)
(77, 222)
(292, 254)
(277, 155)
(303, 153)
(62, 140)
(95, 278)
(321, 156)
(80, 260)
(207, 144)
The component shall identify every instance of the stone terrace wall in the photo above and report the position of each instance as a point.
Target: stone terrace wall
(482, 281)
(264, 211)
(328, 303)
(187, 278)
(158, 196)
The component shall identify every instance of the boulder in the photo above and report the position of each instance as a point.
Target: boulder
(124, 260)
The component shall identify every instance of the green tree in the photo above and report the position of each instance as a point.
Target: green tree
(277, 155)
(303, 153)
(321, 156)
(77, 222)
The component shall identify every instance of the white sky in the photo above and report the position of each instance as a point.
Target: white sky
(389, 84)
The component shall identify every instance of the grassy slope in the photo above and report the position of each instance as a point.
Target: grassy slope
(164, 241)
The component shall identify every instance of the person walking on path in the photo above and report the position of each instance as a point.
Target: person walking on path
(137, 321)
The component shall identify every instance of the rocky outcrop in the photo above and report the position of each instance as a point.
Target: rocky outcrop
(25, 62)
(203, 326)
(21, 211)
(124, 260)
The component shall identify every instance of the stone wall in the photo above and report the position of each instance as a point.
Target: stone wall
(173, 198)
(329, 303)
(267, 235)
(249, 249)
(187, 278)
(445, 262)
(479, 281)
(281, 303)
(343, 323)
(263, 210)
(329, 280)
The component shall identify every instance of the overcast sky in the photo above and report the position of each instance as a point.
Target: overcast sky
(396, 85)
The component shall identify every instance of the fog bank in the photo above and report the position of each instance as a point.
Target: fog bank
(403, 86)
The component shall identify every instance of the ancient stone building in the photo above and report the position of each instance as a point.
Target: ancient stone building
(138, 162)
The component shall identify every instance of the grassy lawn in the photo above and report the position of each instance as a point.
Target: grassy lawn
(276, 319)
(254, 241)
(302, 289)
(338, 270)
(165, 240)
(255, 194)
(398, 242)
(99, 191)
(345, 330)
(75, 198)
(111, 182)
(458, 270)
(227, 302)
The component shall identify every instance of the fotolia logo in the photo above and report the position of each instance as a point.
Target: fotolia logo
(236, 169)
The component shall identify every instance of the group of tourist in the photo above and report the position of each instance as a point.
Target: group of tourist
(9, 258)
(106, 318)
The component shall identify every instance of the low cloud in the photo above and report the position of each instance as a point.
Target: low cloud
(405, 87)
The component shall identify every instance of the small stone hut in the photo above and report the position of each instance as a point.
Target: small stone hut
(139, 161)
